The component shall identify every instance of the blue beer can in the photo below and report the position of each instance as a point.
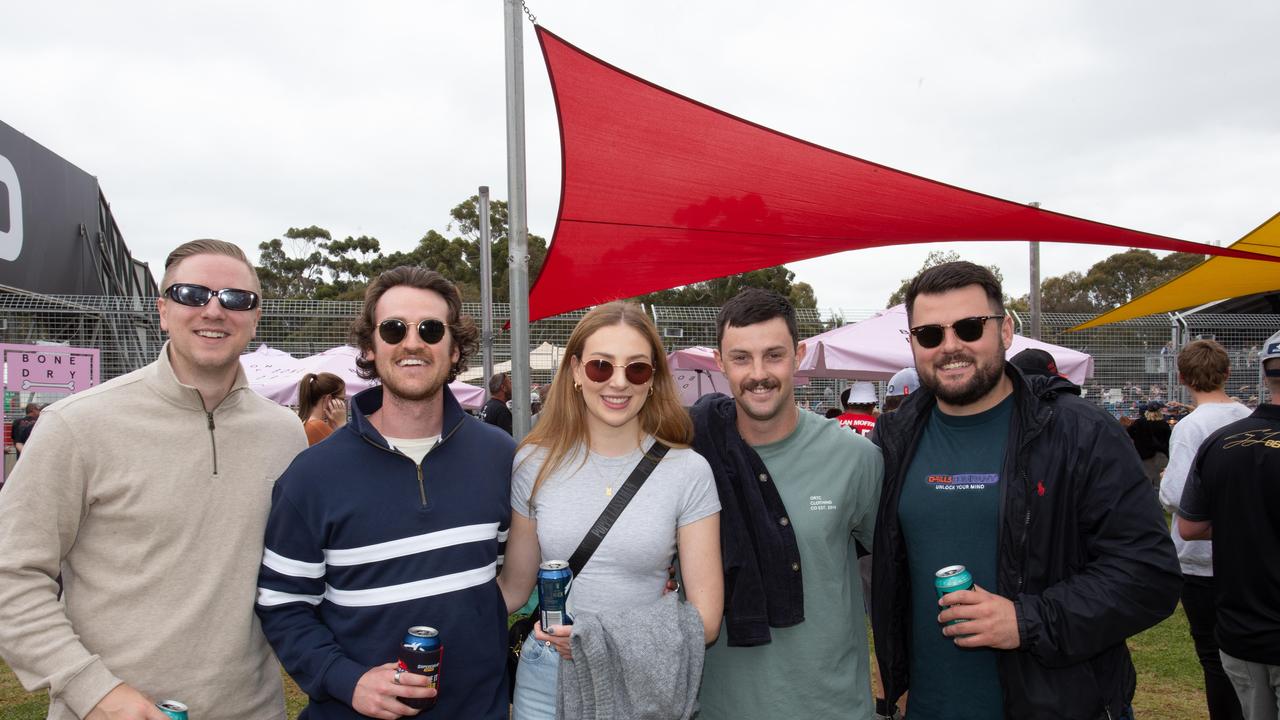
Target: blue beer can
(173, 709)
(554, 579)
(421, 654)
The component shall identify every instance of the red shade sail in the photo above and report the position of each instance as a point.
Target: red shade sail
(659, 190)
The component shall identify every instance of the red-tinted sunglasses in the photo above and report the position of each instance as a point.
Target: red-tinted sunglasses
(637, 373)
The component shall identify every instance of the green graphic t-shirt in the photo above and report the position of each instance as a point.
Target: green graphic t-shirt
(829, 480)
(950, 509)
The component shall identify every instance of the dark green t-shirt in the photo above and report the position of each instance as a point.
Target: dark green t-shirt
(949, 509)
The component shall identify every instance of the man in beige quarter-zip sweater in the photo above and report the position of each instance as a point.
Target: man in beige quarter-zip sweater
(149, 493)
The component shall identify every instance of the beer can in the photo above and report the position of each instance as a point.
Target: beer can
(554, 579)
(173, 709)
(421, 654)
(950, 579)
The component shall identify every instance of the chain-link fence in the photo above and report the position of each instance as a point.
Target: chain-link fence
(1134, 361)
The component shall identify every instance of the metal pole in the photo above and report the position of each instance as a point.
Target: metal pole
(1035, 285)
(517, 219)
(486, 290)
(1179, 332)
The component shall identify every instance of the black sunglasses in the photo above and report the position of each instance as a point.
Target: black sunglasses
(198, 296)
(394, 330)
(967, 329)
(637, 373)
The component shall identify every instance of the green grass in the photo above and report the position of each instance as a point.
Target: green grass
(1170, 686)
(17, 704)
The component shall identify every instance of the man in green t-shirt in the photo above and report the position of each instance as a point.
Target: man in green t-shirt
(797, 492)
(1040, 495)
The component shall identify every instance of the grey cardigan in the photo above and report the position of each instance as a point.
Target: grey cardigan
(643, 662)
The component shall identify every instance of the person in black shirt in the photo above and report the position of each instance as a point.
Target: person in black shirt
(1232, 497)
(1150, 435)
(496, 412)
(22, 427)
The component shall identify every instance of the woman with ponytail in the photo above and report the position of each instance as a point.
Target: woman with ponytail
(322, 404)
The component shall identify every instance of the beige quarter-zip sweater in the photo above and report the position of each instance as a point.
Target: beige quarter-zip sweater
(153, 510)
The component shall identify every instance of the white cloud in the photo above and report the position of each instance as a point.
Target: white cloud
(239, 120)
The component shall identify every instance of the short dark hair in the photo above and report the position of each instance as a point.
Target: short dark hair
(953, 276)
(755, 305)
(496, 381)
(466, 336)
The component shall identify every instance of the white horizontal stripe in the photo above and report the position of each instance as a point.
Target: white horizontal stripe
(502, 536)
(411, 545)
(270, 598)
(291, 567)
(413, 590)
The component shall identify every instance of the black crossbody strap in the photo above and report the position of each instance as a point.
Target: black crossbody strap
(615, 507)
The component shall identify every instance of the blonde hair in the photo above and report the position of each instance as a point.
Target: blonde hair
(562, 424)
(206, 246)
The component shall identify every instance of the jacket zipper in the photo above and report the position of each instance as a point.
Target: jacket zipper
(1026, 528)
(1024, 460)
(213, 441)
(422, 486)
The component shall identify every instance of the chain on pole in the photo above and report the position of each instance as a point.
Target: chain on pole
(528, 13)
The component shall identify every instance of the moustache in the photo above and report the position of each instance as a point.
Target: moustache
(954, 357)
(767, 384)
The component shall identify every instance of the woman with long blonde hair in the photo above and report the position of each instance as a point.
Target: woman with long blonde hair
(612, 398)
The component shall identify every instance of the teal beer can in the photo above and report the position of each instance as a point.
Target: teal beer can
(173, 709)
(950, 579)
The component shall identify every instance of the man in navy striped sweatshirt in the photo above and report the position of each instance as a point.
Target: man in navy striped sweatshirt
(395, 520)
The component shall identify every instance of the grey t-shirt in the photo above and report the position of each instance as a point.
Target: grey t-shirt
(630, 566)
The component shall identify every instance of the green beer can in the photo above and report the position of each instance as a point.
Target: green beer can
(173, 709)
(950, 579)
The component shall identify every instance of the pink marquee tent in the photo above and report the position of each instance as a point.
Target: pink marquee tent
(878, 347)
(274, 374)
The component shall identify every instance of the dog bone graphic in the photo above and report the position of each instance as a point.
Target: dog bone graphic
(27, 385)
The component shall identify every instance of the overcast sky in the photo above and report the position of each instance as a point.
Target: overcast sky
(240, 119)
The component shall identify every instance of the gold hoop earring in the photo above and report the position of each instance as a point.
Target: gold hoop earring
(650, 391)
(577, 387)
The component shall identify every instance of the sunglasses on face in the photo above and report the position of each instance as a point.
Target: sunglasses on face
(393, 331)
(198, 296)
(637, 373)
(967, 329)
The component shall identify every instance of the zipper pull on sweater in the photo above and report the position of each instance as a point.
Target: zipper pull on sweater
(213, 442)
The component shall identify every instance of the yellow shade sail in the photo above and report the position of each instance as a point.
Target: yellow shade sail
(1217, 278)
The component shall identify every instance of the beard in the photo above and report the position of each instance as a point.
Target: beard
(986, 375)
(413, 392)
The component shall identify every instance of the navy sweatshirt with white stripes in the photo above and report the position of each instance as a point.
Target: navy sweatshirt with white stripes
(362, 543)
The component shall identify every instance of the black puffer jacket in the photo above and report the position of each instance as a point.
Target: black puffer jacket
(1083, 551)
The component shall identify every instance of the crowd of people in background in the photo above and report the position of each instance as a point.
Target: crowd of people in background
(725, 556)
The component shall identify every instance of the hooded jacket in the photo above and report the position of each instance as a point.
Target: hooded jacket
(1082, 551)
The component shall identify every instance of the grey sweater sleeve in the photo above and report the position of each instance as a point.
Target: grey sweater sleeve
(41, 509)
(643, 662)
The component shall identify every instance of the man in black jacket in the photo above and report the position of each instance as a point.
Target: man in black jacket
(1041, 496)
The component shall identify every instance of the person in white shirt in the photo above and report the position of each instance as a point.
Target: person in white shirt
(1203, 367)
